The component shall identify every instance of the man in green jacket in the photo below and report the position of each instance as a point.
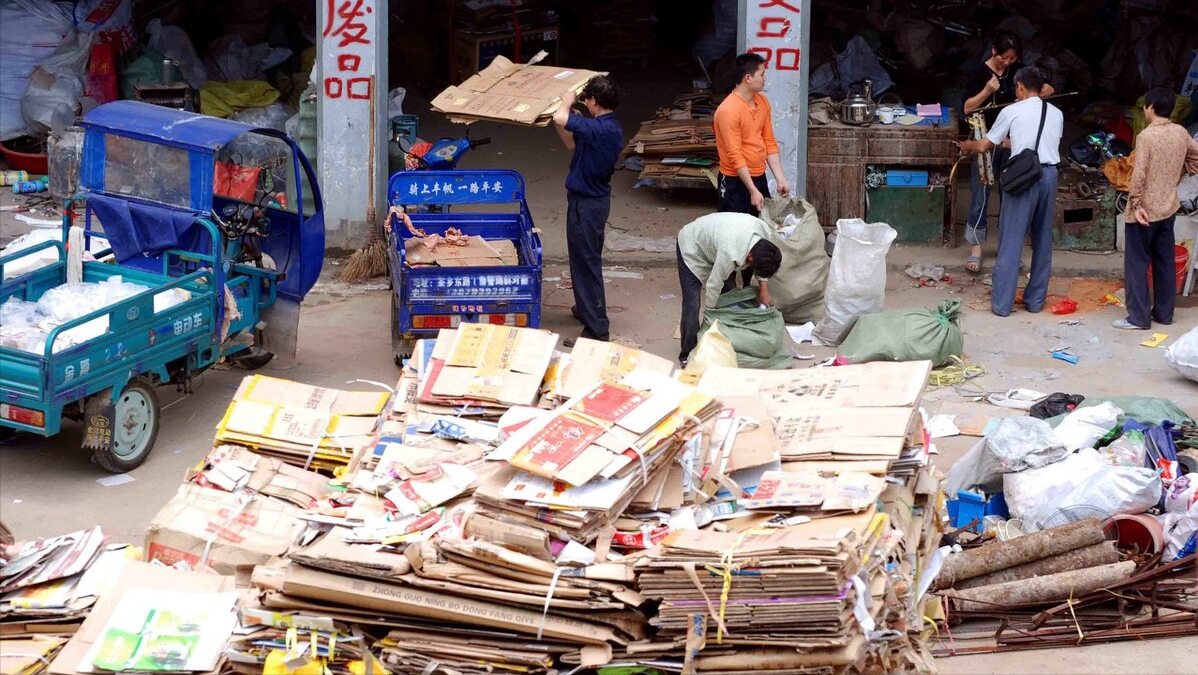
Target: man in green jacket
(711, 250)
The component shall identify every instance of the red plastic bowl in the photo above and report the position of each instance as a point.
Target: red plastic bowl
(34, 163)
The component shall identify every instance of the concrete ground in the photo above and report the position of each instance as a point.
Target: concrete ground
(48, 486)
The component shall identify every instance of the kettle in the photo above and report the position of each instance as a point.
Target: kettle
(859, 108)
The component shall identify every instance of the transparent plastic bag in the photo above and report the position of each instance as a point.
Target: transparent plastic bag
(1016, 444)
(713, 351)
(1183, 355)
(856, 278)
(57, 84)
(173, 43)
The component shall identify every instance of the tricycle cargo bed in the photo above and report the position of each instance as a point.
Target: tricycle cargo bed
(137, 340)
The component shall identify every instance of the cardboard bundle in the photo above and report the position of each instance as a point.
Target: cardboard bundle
(28, 656)
(679, 143)
(477, 252)
(484, 368)
(303, 425)
(525, 94)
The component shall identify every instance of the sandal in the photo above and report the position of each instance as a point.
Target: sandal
(974, 263)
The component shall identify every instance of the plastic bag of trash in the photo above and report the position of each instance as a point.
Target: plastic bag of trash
(1083, 427)
(1182, 355)
(173, 43)
(1016, 444)
(1059, 403)
(756, 333)
(713, 351)
(1114, 490)
(1181, 533)
(1127, 450)
(57, 84)
(1036, 495)
(918, 334)
(1182, 494)
(798, 287)
(856, 278)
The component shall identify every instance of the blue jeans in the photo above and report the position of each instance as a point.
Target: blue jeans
(1033, 210)
(586, 218)
(979, 196)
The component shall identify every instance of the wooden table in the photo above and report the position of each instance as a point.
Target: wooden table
(838, 153)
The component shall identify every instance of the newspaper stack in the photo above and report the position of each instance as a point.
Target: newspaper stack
(307, 426)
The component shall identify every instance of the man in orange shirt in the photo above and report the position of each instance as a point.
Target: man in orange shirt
(744, 137)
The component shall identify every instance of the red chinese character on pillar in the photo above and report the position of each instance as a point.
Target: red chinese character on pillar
(348, 63)
(358, 87)
(334, 87)
(787, 59)
(351, 30)
(765, 52)
(780, 27)
(766, 4)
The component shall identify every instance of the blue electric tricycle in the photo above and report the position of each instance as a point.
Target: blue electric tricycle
(224, 215)
(425, 299)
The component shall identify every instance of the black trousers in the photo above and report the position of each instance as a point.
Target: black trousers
(734, 196)
(1149, 245)
(585, 220)
(692, 295)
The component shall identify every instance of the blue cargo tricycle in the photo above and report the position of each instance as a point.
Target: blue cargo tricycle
(427, 298)
(220, 213)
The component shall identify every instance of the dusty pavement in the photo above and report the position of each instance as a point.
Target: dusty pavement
(48, 486)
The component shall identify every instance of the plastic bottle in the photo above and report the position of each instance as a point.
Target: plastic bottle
(31, 186)
(13, 177)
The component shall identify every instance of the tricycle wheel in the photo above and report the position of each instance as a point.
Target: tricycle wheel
(252, 358)
(400, 348)
(132, 423)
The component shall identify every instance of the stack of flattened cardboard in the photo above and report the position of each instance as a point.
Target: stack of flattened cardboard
(477, 252)
(49, 586)
(679, 143)
(524, 94)
(303, 425)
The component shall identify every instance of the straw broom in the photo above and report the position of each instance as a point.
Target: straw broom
(367, 262)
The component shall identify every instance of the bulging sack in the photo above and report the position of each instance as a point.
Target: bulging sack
(856, 277)
(919, 334)
(757, 334)
(798, 287)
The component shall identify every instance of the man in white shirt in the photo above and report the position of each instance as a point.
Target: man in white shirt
(1034, 207)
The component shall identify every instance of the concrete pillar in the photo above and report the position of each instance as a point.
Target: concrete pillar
(780, 30)
(351, 110)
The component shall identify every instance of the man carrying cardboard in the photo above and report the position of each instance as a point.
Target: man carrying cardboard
(711, 250)
(596, 142)
(744, 137)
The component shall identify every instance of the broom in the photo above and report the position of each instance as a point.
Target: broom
(367, 262)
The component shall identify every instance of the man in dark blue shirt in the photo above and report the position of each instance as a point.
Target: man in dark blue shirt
(596, 141)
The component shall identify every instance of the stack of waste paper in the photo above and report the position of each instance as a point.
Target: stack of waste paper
(311, 427)
(678, 144)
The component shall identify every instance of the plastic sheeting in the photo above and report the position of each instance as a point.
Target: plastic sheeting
(856, 63)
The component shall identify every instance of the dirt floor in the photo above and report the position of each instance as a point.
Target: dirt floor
(48, 486)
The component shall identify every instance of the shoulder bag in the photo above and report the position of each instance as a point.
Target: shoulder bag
(1023, 170)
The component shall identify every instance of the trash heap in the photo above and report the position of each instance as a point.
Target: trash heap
(1078, 525)
(525, 510)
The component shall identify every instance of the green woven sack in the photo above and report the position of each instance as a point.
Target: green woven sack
(921, 334)
(758, 335)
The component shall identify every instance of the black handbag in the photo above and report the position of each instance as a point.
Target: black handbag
(1023, 170)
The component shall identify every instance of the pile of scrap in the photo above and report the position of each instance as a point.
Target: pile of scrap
(677, 147)
(524, 94)
(308, 426)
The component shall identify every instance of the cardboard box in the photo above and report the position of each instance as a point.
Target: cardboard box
(135, 575)
(240, 533)
(507, 92)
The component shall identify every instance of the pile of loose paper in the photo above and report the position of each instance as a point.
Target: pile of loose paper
(524, 510)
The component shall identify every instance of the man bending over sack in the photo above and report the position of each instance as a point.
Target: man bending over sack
(711, 250)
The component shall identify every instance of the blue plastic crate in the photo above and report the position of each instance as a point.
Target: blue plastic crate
(969, 506)
(906, 178)
(405, 128)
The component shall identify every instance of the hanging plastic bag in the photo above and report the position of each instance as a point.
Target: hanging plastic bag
(713, 351)
(798, 287)
(1182, 355)
(919, 334)
(173, 43)
(757, 334)
(856, 277)
(57, 84)
(1083, 427)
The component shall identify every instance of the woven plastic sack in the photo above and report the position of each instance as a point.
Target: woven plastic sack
(757, 334)
(856, 278)
(919, 334)
(797, 290)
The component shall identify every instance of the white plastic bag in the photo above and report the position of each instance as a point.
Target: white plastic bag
(713, 351)
(173, 43)
(856, 278)
(1033, 496)
(33, 29)
(1181, 533)
(1015, 444)
(1083, 427)
(57, 84)
(1183, 355)
(1115, 490)
(1182, 494)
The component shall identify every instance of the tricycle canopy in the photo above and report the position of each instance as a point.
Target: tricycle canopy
(149, 167)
